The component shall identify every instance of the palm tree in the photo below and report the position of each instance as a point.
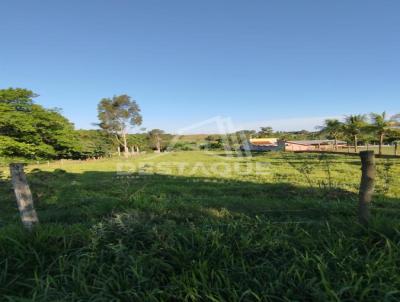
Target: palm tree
(354, 125)
(334, 128)
(381, 125)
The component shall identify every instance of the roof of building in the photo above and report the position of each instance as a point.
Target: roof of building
(316, 142)
(263, 141)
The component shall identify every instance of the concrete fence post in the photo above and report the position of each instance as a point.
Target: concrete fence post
(367, 185)
(24, 196)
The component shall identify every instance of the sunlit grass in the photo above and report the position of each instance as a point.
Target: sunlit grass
(176, 227)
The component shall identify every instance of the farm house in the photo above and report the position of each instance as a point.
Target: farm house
(273, 144)
(261, 144)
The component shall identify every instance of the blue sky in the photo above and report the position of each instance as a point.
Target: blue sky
(283, 63)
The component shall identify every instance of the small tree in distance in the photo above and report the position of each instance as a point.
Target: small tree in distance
(381, 126)
(155, 138)
(334, 128)
(116, 115)
(266, 132)
(354, 125)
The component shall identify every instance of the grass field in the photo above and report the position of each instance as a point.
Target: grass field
(197, 226)
(386, 150)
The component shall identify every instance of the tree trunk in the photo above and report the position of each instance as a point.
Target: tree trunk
(355, 144)
(158, 145)
(119, 150)
(367, 185)
(380, 143)
(126, 150)
(395, 148)
(24, 196)
(335, 143)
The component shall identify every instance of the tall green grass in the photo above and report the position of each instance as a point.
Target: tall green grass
(288, 235)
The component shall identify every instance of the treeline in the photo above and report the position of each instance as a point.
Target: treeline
(362, 129)
(375, 128)
(28, 130)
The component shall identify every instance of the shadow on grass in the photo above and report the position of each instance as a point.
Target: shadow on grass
(172, 236)
(67, 198)
(315, 159)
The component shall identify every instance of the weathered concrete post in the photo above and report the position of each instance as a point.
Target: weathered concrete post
(24, 196)
(367, 185)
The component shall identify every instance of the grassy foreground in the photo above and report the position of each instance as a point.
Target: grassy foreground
(196, 226)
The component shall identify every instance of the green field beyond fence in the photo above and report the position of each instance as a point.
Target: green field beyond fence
(386, 150)
(202, 226)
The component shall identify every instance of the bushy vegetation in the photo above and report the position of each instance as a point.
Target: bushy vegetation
(164, 232)
(29, 130)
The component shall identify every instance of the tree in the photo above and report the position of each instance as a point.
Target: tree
(29, 130)
(333, 128)
(155, 138)
(94, 143)
(138, 140)
(214, 142)
(116, 115)
(265, 132)
(213, 138)
(381, 125)
(354, 125)
(19, 98)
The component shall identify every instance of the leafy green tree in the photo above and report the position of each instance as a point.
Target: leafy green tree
(155, 138)
(215, 142)
(94, 143)
(139, 140)
(333, 128)
(29, 130)
(381, 125)
(354, 125)
(265, 132)
(213, 138)
(18, 98)
(117, 115)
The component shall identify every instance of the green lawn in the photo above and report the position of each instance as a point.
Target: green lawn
(386, 150)
(199, 226)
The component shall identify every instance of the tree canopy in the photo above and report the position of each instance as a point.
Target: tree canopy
(382, 125)
(30, 130)
(116, 115)
(333, 128)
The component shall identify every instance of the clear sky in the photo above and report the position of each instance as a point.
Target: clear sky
(285, 63)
